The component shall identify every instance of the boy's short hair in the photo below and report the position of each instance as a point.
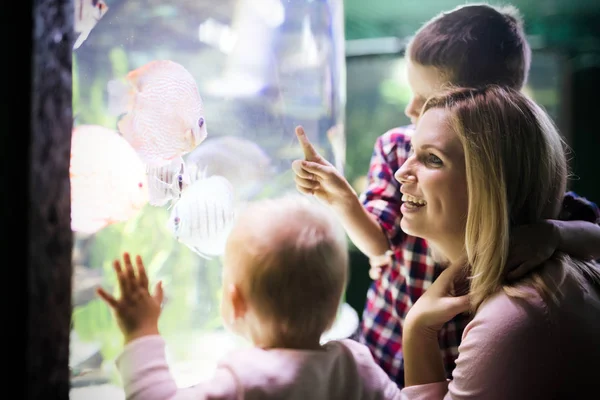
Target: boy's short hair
(295, 265)
(475, 45)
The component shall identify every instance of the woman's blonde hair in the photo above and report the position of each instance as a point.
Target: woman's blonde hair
(516, 172)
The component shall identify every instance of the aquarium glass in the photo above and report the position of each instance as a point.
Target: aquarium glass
(261, 68)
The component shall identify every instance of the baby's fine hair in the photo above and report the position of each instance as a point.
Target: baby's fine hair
(296, 258)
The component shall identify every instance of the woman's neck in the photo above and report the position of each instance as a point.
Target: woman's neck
(447, 253)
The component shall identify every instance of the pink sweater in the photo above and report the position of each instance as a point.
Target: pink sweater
(516, 349)
(344, 370)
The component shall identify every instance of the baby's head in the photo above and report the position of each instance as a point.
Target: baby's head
(284, 272)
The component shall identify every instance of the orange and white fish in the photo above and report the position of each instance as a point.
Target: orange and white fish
(167, 182)
(87, 15)
(204, 215)
(108, 179)
(164, 114)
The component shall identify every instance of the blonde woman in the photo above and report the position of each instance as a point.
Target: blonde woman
(483, 162)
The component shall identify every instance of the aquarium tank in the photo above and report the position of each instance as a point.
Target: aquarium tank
(183, 106)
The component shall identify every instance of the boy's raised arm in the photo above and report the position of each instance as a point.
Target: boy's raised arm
(317, 176)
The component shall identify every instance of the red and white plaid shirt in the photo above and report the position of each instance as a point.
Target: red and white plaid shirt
(411, 271)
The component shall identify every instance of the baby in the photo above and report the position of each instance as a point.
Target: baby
(284, 271)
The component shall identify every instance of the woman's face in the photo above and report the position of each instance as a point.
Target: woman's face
(434, 185)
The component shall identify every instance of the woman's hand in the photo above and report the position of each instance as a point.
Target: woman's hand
(439, 304)
(137, 311)
(423, 362)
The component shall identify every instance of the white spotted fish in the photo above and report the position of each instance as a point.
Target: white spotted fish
(87, 15)
(163, 111)
(204, 215)
(167, 182)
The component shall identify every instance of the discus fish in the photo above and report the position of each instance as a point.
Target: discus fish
(242, 162)
(167, 182)
(87, 15)
(164, 115)
(108, 179)
(203, 216)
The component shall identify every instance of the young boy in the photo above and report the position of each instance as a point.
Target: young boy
(285, 268)
(471, 45)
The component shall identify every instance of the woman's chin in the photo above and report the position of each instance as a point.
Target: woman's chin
(408, 228)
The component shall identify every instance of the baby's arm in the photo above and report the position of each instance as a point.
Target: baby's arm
(375, 380)
(146, 375)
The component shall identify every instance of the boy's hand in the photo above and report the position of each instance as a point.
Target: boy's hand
(530, 246)
(577, 208)
(317, 176)
(137, 311)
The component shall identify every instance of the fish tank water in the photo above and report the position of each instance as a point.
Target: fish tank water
(184, 111)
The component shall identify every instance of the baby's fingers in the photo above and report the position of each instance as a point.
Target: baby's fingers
(129, 272)
(121, 278)
(159, 293)
(141, 272)
(109, 299)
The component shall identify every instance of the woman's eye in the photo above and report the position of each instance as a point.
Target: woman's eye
(434, 160)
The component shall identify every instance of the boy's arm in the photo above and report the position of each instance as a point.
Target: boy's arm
(371, 220)
(146, 375)
(576, 233)
(579, 238)
(578, 229)
(362, 228)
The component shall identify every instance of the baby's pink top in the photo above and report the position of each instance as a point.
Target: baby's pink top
(343, 370)
(516, 349)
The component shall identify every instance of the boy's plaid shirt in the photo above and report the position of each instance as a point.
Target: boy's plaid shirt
(412, 269)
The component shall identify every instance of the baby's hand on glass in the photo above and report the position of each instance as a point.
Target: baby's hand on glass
(317, 176)
(530, 246)
(137, 311)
